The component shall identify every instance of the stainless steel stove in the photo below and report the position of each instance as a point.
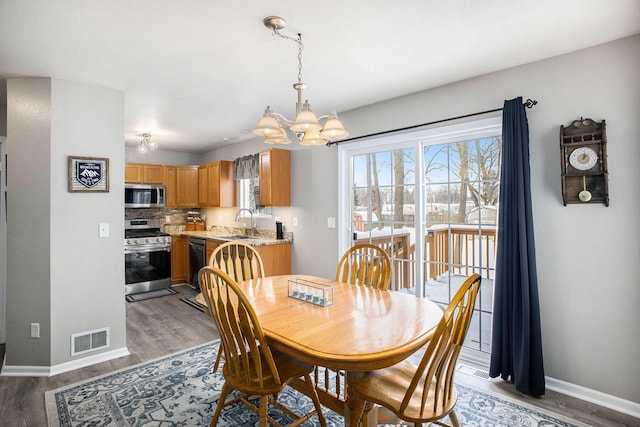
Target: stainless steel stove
(147, 253)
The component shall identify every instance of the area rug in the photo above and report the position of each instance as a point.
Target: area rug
(180, 390)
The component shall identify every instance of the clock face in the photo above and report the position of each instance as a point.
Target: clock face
(583, 158)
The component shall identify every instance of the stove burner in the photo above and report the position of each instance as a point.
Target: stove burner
(145, 232)
(149, 232)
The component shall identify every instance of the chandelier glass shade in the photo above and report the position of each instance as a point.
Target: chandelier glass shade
(306, 126)
(146, 144)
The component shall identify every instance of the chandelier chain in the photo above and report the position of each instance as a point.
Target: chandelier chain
(298, 41)
(300, 58)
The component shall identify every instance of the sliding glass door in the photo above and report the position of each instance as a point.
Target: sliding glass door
(429, 198)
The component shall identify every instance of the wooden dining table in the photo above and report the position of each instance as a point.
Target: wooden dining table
(363, 329)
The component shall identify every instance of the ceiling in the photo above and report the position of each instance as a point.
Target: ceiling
(198, 74)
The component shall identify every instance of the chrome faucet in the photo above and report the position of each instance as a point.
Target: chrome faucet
(253, 226)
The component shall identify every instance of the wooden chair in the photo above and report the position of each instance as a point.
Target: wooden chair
(251, 366)
(367, 265)
(241, 262)
(424, 393)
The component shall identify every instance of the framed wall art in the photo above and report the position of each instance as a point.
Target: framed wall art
(88, 174)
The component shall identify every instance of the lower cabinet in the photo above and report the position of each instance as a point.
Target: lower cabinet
(276, 259)
(179, 259)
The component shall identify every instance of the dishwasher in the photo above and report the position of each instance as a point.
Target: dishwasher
(197, 258)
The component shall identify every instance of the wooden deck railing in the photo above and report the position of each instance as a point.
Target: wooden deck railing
(472, 250)
(459, 249)
(397, 246)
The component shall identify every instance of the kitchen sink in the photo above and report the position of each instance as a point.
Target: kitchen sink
(234, 237)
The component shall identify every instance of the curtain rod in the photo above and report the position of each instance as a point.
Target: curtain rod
(529, 103)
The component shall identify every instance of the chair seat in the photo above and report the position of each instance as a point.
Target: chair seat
(288, 370)
(395, 382)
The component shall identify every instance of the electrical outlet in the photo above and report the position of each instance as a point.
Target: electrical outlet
(35, 330)
(331, 222)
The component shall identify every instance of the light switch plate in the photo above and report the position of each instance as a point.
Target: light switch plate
(331, 222)
(295, 221)
(103, 230)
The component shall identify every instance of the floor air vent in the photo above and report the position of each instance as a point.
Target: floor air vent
(85, 342)
(469, 370)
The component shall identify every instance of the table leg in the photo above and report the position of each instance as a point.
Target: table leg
(370, 414)
(349, 403)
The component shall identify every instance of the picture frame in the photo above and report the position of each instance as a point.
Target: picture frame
(88, 174)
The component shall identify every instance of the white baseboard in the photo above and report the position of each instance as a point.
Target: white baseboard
(608, 401)
(588, 395)
(48, 371)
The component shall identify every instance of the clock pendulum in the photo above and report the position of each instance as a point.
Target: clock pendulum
(584, 195)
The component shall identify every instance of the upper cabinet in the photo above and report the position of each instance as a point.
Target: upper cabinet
(137, 173)
(275, 177)
(203, 185)
(169, 181)
(186, 186)
(216, 185)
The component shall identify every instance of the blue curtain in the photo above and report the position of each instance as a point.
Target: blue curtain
(516, 342)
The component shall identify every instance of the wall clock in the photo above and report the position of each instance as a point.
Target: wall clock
(583, 149)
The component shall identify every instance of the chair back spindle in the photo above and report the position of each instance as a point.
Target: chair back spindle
(239, 260)
(365, 265)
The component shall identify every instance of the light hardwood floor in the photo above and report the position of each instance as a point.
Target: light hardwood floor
(161, 326)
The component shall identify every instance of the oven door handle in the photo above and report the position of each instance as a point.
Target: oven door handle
(146, 248)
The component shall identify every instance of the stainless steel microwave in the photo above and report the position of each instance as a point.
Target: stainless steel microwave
(144, 196)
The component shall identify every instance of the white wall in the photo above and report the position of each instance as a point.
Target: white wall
(587, 255)
(60, 273)
(161, 157)
(28, 224)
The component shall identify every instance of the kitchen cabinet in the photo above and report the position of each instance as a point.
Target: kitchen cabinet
(211, 246)
(216, 185)
(275, 180)
(203, 185)
(276, 258)
(169, 181)
(138, 173)
(179, 259)
(186, 186)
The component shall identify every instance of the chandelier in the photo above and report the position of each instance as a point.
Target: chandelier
(306, 126)
(146, 144)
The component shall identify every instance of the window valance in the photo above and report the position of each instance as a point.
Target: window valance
(246, 167)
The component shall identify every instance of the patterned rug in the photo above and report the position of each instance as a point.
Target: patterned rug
(180, 390)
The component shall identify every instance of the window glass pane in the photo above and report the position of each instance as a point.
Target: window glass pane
(435, 163)
(461, 188)
(248, 192)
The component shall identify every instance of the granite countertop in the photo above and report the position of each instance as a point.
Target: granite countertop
(226, 234)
